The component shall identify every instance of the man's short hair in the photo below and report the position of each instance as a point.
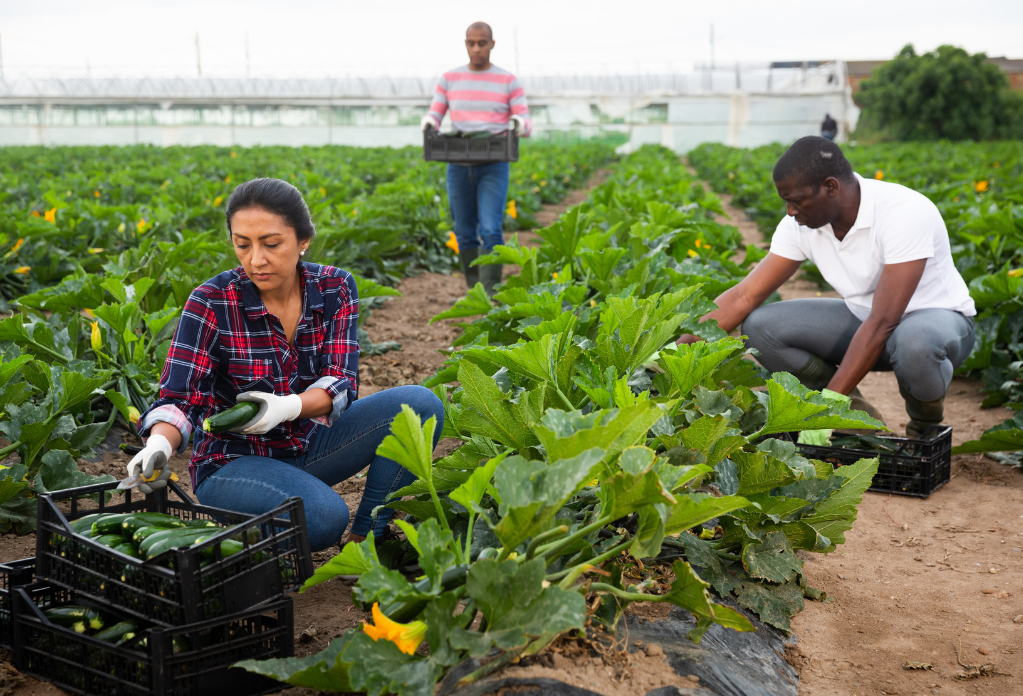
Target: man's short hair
(811, 160)
(481, 26)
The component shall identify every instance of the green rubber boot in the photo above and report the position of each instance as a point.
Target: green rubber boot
(490, 275)
(922, 414)
(471, 273)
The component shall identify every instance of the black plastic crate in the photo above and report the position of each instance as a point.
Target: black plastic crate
(15, 574)
(470, 148)
(147, 663)
(916, 468)
(280, 562)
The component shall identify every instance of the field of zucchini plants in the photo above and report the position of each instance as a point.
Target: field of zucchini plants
(599, 464)
(100, 247)
(978, 187)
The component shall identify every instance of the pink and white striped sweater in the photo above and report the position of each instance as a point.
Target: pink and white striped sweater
(481, 100)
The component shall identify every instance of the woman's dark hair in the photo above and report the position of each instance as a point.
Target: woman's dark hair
(273, 196)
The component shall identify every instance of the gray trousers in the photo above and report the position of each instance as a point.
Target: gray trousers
(923, 351)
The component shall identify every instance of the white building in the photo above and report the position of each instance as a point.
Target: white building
(745, 105)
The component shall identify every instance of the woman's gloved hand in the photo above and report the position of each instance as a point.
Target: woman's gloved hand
(822, 438)
(427, 124)
(273, 410)
(153, 457)
(519, 125)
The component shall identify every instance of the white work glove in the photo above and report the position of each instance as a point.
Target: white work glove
(519, 124)
(273, 410)
(427, 124)
(153, 457)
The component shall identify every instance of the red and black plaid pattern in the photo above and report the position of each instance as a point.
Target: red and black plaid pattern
(227, 342)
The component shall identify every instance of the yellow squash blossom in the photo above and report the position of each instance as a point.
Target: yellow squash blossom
(593, 303)
(96, 194)
(555, 276)
(51, 215)
(88, 313)
(35, 213)
(227, 179)
(22, 269)
(165, 184)
(234, 154)
(120, 228)
(731, 175)
(141, 226)
(512, 212)
(699, 243)
(452, 242)
(95, 250)
(323, 191)
(406, 636)
(879, 175)
(1016, 273)
(133, 415)
(17, 245)
(217, 201)
(96, 337)
(693, 253)
(980, 186)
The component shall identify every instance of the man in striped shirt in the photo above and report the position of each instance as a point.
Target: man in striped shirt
(481, 97)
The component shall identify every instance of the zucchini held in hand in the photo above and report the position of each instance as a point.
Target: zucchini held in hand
(239, 414)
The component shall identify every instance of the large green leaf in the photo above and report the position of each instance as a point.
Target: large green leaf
(410, 443)
(625, 493)
(470, 493)
(773, 559)
(690, 592)
(492, 414)
(697, 508)
(532, 492)
(567, 434)
(354, 559)
(473, 304)
(774, 604)
(835, 516)
(516, 606)
(690, 364)
(791, 406)
(322, 671)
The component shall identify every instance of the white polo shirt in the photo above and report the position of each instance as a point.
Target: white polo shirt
(894, 225)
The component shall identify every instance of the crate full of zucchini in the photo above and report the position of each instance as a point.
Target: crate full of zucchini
(146, 594)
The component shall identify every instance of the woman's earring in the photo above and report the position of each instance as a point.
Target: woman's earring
(302, 253)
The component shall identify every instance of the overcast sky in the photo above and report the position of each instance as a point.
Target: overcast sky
(292, 38)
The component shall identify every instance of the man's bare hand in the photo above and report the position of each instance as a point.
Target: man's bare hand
(688, 339)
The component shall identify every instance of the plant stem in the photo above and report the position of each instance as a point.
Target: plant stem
(9, 448)
(491, 666)
(572, 574)
(541, 538)
(564, 399)
(437, 505)
(626, 595)
(556, 547)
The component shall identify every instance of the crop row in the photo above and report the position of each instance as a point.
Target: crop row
(978, 187)
(100, 248)
(599, 464)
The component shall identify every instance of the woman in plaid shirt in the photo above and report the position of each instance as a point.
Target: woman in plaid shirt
(282, 333)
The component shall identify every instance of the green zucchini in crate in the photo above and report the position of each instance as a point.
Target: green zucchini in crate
(195, 576)
(135, 657)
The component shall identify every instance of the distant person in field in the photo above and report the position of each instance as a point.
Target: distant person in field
(481, 97)
(885, 249)
(829, 129)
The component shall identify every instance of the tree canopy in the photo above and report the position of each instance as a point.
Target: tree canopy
(944, 94)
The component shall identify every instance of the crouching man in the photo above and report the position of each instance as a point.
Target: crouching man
(885, 249)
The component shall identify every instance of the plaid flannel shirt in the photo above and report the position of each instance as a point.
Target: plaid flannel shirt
(227, 342)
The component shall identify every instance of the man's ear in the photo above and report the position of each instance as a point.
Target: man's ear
(833, 186)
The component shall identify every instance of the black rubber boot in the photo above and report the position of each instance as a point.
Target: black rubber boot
(490, 275)
(922, 414)
(472, 273)
(860, 404)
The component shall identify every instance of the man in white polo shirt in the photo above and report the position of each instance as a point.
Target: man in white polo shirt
(885, 249)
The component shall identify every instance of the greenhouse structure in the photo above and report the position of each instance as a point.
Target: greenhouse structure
(741, 105)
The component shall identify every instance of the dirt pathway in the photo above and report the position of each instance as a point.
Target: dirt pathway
(905, 587)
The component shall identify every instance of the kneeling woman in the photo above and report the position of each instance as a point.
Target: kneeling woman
(281, 333)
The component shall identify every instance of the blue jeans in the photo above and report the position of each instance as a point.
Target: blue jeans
(923, 351)
(478, 194)
(255, 485)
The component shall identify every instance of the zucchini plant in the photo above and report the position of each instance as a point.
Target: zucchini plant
(600, 464)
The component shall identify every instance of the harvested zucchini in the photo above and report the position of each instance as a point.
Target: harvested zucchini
(70, 615)
(118, 632)
(231, 418)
